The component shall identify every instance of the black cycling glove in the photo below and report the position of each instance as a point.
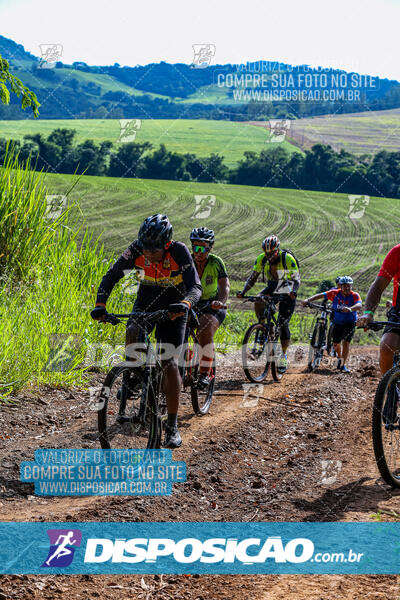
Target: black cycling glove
(98, 312)
(178, 307)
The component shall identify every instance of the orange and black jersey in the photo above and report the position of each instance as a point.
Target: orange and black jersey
(171, 280)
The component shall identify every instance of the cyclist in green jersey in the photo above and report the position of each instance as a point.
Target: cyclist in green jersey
(210, 308)
(283, 279)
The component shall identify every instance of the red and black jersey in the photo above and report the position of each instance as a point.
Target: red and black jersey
(171, 280)
(390, 269)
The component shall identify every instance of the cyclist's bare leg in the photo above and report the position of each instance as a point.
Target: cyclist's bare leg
(171, 384)
(390, 343)
(345, 351)
(338, 349)
(285, 345)
(131, 336)
(208, 325)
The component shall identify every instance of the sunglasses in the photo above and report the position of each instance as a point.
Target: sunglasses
(201, 249)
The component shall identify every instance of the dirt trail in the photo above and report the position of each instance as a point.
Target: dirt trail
(250, 459)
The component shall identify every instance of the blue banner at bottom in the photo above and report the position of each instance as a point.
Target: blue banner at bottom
(204, 548)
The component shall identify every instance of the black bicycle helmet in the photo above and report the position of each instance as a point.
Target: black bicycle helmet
(155, 232)
(202, 234)
(270, 243)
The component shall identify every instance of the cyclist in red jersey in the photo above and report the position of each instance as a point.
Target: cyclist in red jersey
(345, 304)
(390, 341)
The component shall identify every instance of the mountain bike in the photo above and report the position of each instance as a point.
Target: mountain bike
(201, 399)
(261, 346)
(386, 418)
(132, 408)
(321, 337)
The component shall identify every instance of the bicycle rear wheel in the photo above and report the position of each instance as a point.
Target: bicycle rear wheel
(275, 354)
(329, 344)
(386, 427)
(201, 399)
(255, 353)
(127, 415)
(316, 344)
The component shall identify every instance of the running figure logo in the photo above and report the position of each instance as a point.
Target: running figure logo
(203, 53)
(62, 547)
(277, 130)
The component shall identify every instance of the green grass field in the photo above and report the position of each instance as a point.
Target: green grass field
(314, 225)
(50, 274)
(106, 82)
(201, 137)
(360, 133)
(209, 94)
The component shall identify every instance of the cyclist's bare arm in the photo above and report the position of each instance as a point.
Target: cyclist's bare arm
(375, 292)
(356, 306)
(312, 298)
(223, 289)
(372, 300)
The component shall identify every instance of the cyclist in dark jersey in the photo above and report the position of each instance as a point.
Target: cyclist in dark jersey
(210, 308)
(168, 280)
(390, 341)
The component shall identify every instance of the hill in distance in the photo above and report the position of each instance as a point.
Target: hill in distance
(163, 90)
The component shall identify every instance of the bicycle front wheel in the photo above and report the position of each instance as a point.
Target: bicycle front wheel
(386, 427)
(157, 403)
(127, 415)
(201, 399)
(255, 353)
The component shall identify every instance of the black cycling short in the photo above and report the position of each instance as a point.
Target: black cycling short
(203, 308)
(343, 332)
(168, 332)
(393, 315)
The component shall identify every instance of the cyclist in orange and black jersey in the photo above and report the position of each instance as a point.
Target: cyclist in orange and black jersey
(169, 280)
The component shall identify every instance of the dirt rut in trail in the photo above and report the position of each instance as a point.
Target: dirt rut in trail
(302, 451)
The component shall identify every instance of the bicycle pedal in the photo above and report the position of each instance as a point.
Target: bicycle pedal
(123, 419)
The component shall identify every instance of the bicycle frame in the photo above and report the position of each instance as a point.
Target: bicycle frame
(269, 314)
(269, 309)
(152, 365)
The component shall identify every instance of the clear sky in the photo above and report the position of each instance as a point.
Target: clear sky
(359, 35)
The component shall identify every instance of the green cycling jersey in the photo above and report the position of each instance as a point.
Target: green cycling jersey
(287, 275)
(213, 270)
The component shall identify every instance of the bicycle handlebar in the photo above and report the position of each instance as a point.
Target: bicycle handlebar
(149, 317)
(209, 302)
(378, 325)
(319, 307)
(259, 298)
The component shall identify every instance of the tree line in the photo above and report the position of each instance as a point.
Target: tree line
(321, 168)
